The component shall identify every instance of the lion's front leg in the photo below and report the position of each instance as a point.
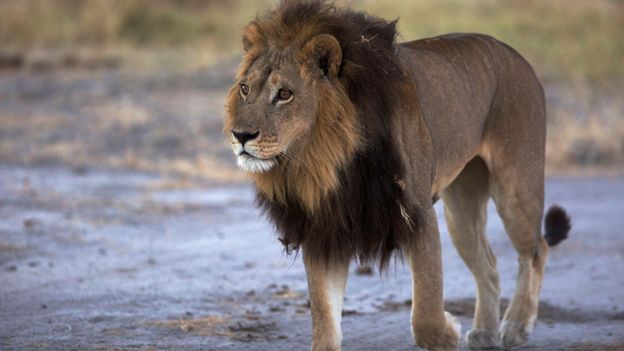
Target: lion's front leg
(432, 328)
(326, 285)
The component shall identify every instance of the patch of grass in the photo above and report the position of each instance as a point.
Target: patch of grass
(576, 47)
(575, 40)
(145, 25)
(585, 130)
(563, 39)
(28, 24)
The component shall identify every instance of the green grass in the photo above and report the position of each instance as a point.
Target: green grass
(574, 40)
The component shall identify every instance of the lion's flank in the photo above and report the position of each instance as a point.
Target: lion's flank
(342, 200)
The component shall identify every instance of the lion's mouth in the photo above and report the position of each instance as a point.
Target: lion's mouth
(253, 164)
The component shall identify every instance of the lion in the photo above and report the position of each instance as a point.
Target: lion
(350, 138)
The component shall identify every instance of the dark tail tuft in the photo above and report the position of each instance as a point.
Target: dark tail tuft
(557, 225)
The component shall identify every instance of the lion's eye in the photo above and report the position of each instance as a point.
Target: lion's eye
(284, 94)
(244, 90)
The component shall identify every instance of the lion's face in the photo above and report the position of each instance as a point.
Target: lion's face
(273, 113)
(290, 121)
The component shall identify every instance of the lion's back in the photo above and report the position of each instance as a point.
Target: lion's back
(473, 54)
(464, 85)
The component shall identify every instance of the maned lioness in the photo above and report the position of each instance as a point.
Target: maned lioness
(350, 138)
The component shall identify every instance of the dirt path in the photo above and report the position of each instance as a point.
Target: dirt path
(101, 260)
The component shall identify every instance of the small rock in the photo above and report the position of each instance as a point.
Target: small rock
(349, 312)
(275, 309)
(97, 319)
(30, 223)
(79, 170)
(12, 268)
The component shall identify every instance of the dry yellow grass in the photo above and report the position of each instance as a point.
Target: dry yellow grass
(585, 131)
(565, 39)
(571, 39)
(575, 46)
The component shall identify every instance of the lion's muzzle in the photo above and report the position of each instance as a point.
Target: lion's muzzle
(251, 153)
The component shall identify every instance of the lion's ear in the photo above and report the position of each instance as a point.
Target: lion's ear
(252, 36)
(322, 54)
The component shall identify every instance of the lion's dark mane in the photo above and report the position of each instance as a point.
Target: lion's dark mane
(362, 218)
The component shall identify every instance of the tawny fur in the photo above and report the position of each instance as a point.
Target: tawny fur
(376, 131)
(313, 174)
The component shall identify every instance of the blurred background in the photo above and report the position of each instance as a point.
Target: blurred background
(125, 225)
(140, 84)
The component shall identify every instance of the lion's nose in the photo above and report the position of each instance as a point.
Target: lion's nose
(244, 137)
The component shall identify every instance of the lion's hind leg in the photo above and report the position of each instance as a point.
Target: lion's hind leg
(465, 209)
(518, 191)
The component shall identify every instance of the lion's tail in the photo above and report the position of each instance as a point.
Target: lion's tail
(557, 225)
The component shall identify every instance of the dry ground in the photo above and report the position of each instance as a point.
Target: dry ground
(112, 260)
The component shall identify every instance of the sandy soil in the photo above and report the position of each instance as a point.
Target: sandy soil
(101, 260)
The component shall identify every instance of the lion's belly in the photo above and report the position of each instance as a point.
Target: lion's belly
(453, 148)
(444, 179)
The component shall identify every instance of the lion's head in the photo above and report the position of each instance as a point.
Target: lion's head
(283, 98)
(290, 121)
(293, 120)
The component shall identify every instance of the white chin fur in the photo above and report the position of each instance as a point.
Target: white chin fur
(254, 165)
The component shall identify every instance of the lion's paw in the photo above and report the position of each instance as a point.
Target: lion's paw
(325, 346)
(481, 339)
(514, 333)
(453, 328)
(439, 339)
